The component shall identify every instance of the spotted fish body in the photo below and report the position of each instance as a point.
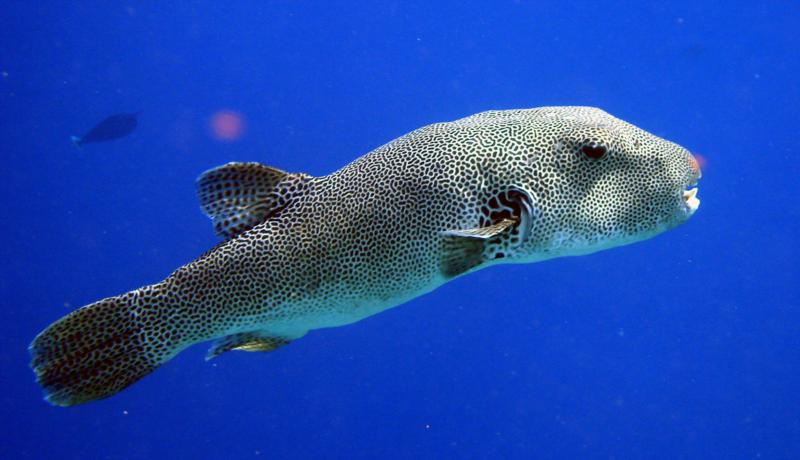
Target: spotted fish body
(305, 252)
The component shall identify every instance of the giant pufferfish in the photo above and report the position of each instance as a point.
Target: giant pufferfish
(303, 252)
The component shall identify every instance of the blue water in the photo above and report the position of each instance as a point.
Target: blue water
(684, 346)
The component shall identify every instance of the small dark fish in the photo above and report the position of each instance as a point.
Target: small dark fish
(113, 127)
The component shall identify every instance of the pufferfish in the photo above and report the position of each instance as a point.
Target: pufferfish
(303, 252)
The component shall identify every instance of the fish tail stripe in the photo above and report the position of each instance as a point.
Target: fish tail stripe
(95, 351)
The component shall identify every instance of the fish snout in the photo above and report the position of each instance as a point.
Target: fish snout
(690, 200)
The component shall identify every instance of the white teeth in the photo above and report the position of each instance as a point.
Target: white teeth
(690, 197)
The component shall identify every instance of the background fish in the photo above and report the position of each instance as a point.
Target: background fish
(113, 127)
(304, 252)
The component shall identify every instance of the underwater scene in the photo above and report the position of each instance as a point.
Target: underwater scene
(586, 214)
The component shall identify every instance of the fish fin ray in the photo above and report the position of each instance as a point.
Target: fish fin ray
(464, 249)
(247, 341)
(482, 233)
(461, 254)
(506, 222)
(239, 196)
(99, 349)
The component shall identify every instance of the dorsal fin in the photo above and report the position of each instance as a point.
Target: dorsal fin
(239, 196)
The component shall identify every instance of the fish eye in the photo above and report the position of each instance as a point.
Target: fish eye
(594, 151)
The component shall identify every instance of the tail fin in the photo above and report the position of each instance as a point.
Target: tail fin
(99, 349)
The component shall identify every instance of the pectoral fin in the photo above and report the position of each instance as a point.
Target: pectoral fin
(248, 341)
(482, 233)
(461, 254)
(506, 223)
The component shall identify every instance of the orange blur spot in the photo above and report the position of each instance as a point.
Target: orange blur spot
(227, 125)
(698, 162)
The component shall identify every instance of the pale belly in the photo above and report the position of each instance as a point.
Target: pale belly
(296, 320)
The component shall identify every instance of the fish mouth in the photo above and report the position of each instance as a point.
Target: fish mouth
(690, 200)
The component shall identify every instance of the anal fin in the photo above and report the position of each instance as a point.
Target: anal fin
(246, 341)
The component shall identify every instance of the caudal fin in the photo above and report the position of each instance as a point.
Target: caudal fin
(98, 350)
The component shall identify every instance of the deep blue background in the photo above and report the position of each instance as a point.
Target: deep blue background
(684, 346)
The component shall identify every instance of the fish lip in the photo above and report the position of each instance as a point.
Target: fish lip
(690, 201)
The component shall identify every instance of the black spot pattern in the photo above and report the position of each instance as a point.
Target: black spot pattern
(310, 252)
